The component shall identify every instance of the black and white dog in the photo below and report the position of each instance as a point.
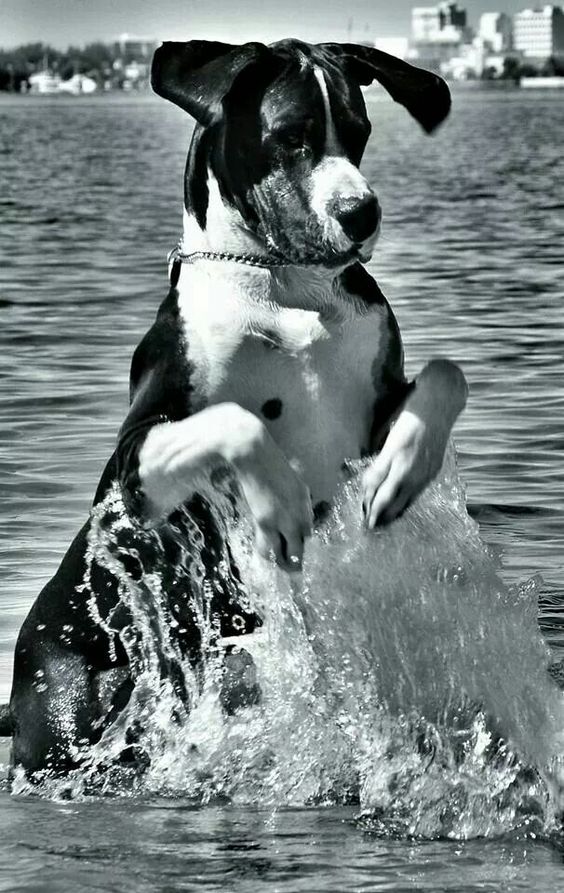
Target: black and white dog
(274, 355)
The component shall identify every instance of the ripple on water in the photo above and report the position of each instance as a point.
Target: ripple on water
(470, 259)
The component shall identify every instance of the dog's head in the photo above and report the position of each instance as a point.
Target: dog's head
(282, 130)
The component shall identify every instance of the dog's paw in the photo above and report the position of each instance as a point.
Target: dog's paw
(411, 457)
(278, 500)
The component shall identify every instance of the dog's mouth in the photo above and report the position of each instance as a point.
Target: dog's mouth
(315, 248)
(323, 255)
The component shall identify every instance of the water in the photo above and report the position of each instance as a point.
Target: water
(165, 847)
(471, 261)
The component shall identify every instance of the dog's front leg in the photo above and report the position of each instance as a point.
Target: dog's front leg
(177, 457)
(413, 452)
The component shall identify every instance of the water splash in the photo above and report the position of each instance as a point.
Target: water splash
(397, 670)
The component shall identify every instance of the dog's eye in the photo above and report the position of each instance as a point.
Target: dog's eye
(293, 138)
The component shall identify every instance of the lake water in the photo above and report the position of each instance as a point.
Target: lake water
(471, 260)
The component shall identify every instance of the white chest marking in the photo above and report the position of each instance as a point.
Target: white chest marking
(308, 380)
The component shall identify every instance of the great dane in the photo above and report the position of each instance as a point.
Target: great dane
(274, 358)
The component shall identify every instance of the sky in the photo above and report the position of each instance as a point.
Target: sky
(64, 22)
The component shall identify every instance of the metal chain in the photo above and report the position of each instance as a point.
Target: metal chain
(252, 260)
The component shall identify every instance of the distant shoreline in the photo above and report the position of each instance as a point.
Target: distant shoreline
(103, 95)
(536, 83)
(147, 96)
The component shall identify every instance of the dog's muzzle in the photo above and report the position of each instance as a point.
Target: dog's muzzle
(359, 219)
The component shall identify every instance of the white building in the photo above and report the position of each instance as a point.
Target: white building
(437, 34)
(443, 23)
(539, 33)
(496, 31)
(136, 48)
(424, 23)
(467, 63)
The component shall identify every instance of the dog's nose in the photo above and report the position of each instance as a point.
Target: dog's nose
(360, 220)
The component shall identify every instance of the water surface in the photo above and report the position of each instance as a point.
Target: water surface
(471, 260)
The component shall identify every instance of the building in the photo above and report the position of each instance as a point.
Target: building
(135, 49)
(539, 33)
(131, 68)
(467, 63)
(424, 23)
(496, 32)
(437, 33)
(444, 23)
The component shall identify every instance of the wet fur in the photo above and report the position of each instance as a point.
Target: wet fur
(316, 353)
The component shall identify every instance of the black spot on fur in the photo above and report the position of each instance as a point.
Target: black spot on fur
(272, 409)
(358, 282)
(320, 510)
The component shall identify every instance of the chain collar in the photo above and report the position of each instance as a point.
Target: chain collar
(176, 258)
(253, 260)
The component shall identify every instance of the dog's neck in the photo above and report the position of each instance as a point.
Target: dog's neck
(307, 287)
(225, 231)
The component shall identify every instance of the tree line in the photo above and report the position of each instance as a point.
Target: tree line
(102, 61)
(105, 63)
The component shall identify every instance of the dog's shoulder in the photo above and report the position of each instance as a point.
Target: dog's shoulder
(162, 350)
(390, 384)
(358, 284)
(160, 389)
(362, 290)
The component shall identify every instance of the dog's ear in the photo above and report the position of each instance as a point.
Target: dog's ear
(425, 95)
(197, 74)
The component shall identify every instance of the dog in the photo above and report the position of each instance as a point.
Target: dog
(275, 358)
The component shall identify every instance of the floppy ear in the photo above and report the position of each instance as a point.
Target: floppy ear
(425, 95)
(197, 74)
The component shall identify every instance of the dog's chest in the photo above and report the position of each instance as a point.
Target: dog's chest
(309, 380)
